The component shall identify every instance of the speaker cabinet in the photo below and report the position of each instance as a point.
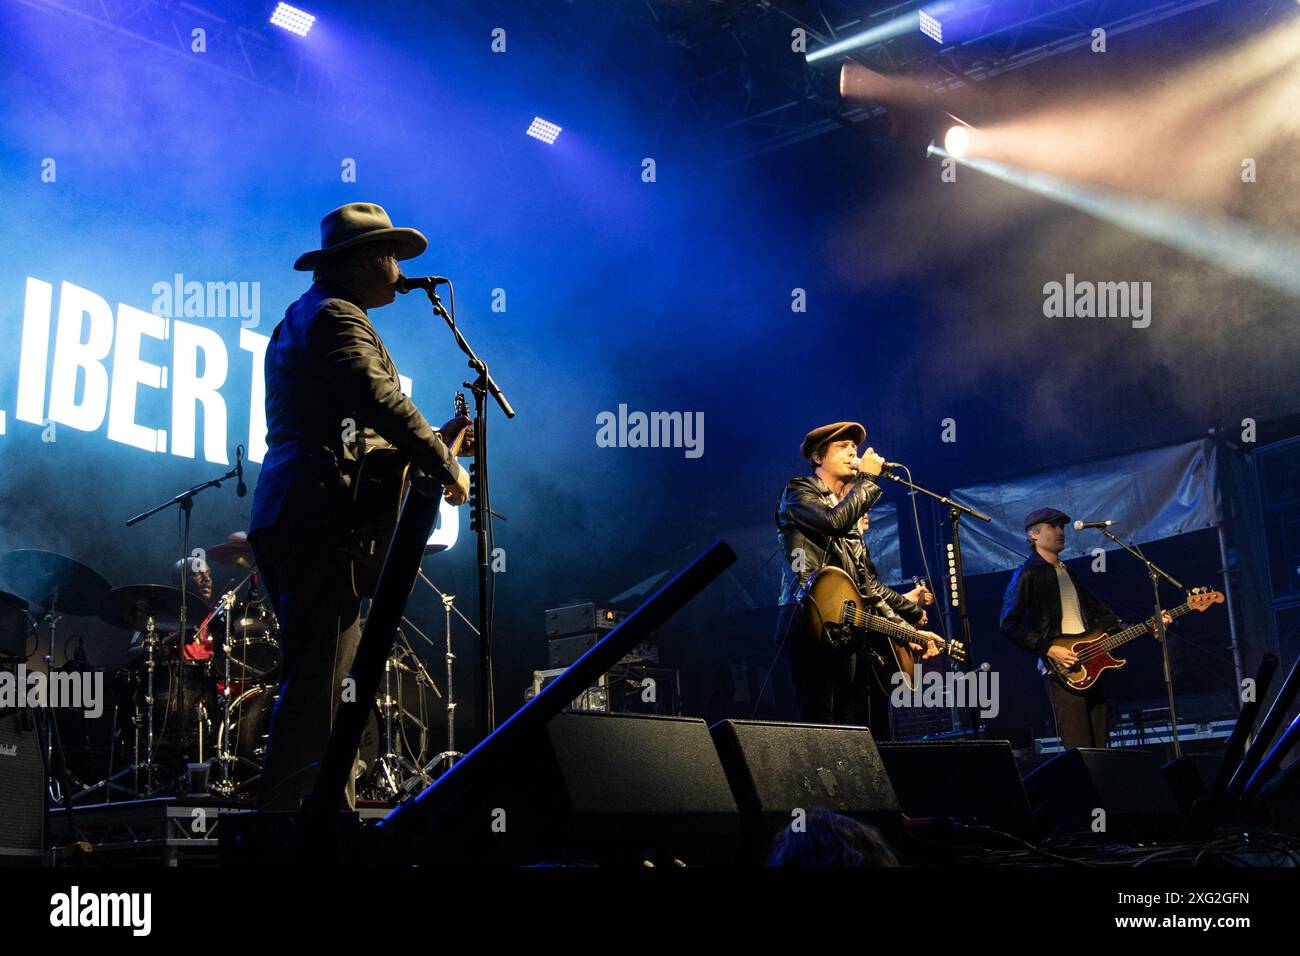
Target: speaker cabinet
(777, 768)
(975, 780)
(606, 788)
(1117, 793)
(22, 789)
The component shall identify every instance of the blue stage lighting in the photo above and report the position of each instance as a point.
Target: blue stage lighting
(292, 19)
(545, 131)
(931, 27)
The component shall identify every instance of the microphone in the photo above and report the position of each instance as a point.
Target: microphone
(1080, 525)
(887, 466)
(407, 284)
(241, 489)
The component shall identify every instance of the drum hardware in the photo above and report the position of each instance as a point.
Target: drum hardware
(227, 755)
(151, 608)
(225, 786)
(180, 694)
(241, 740)
(150, 649)
(394, 742)
(202, 721)
(254, 645)
(400, 756)
(185, 503)
(443, 761)
(109, 782)
(390, 763)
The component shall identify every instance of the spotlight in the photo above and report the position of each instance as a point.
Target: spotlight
(956, 141)
(931, 27)
(905, 23)
(545, 131)
(292, 19)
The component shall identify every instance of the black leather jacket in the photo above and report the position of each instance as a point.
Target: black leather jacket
(888, 601)
(326, 365)
(814, 532)
(1031, 607)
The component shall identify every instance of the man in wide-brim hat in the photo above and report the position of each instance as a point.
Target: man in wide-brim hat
(332, 392)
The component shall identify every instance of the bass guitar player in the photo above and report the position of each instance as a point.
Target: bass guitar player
(1045, 600)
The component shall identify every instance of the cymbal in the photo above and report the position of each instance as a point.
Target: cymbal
(131, 607)
(228, 553)
(234, 550)
(48, 580)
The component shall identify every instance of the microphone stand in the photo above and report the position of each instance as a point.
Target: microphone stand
(482, 385)
(185, 501)
(957, 583)
(1155, 573)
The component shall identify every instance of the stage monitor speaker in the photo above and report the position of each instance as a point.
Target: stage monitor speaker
(22, 789)
(1191, 777)
(605, 788)
(778, 768)
(970, 780)
(1110, 794)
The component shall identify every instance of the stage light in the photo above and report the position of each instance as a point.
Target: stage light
(1232, 244)
(931, 27)
(886, 31)
(292, 19)
(545, 131)
(957, 141)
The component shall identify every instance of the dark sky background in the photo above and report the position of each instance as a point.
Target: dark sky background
(924, 298)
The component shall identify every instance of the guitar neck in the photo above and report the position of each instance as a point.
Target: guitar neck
(895, 630)
(1135, 631)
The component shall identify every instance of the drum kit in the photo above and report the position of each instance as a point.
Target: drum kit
(189, 713)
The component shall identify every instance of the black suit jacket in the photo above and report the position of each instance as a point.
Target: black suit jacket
(331, 387)
(1031, 607)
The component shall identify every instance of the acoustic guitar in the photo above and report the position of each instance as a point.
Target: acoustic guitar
(836, 613)
(378, 490)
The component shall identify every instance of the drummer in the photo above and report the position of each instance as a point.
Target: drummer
(199, 583)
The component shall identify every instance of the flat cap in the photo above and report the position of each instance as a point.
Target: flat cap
(840, 430)
(1046, 516)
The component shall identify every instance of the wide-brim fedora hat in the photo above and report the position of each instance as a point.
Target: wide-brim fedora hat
(359, 222)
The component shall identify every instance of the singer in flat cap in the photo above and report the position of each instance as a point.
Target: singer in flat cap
(818, 522)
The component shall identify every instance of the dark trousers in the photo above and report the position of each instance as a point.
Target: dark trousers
(309, 582)
(831, 688)
(1080, 718)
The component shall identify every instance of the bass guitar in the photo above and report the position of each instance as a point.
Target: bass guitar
(1093, 648)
